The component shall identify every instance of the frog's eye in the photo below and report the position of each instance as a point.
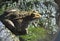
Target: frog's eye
(32, 15)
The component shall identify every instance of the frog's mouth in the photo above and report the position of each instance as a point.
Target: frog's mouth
(37, 16)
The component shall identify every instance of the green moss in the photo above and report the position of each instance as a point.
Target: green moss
(1, 11)
(34, 34)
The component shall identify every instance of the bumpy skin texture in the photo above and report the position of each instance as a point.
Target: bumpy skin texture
(17, 21)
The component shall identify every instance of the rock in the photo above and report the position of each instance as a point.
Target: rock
(6, 34)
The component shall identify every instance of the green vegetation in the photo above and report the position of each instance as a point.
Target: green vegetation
(35, 34)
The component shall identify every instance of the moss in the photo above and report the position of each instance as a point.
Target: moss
(35, 34)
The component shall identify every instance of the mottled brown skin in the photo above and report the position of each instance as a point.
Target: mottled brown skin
(17, 21)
